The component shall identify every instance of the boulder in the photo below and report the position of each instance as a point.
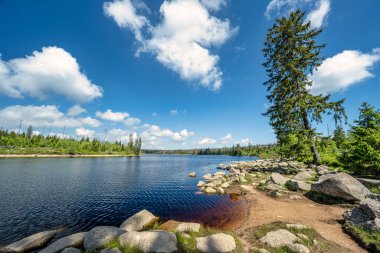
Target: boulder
(321, 170)
(302, 176)
(139, 221)
(32, 242)
(367, 214)
(279, 238)
(221, 190)
(270, 186)
(220, 173)
(295, 185)
(225, 185)
(113, 250)
(71, 241)
(209, 190)
(207, 176)
(247, 188)
(201, 184)
(277, 178)
(98, 237)
(188, 227)
(150, 241)
(192, 174)
(71, 250)
(342, 186)
(216, 243)
(298, 248)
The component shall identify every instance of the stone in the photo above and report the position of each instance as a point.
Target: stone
(277, 178)
(242, 180)
(367, 214)
(98, 237)
(302, 176)
(225, 185)
(209, 190)
(220, 173)
(71, 241)
(221, 190)
(279, 238)
(270, 186)
(247, 188)
(296, 226)
(201, 184)
(342, 186)
(262, 251)
(139, 221)
(295, 185)
(188, 227)
(303, 236)
(113, 250)
(192, 174)
(32, 242)
(150, 241)
(321, 170)
(274, 194)
(294, 197)
(298, 248)
(71, 250)
(216, 243)
(207, 176)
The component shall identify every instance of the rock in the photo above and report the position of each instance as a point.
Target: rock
(367, 214)
(299, 248)
(216, 243)
(262, 251)
(242, 180)
(279, 238)
(303, 236)
(113, 250)
(201, 184)
(192, 174)
(185, 235)
(71, 250)
(247, 188)
(32, 242)
(277, 178)
(270, 186)
(207, 176)
(139, 221)
(209, 190)
(321, 170)
(150, 241)
(220, 173)
(225, 185)
(188, 227)
(294, 197)
(221, 190)
(295, 185)
(74, 241)
(274, 194)
(302, 176)
(369, 182)
(296, 226)
(98, 237)
(342, 186)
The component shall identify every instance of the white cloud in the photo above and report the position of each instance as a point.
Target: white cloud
(75, 110)
(206, 141)
(343, 70)
(84, 132)
(318, 15)
(112, 116)
(154, 132)
(183, 135)
(40, 116)
(244, 142)
(226, 139)
(214, 5)
(132, 121)
(174, 112)
(154, 114)
(183, 39)
(51, 71)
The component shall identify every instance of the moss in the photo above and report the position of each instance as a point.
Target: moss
(368, 238)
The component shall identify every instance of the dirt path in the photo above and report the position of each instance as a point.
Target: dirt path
(324, 218)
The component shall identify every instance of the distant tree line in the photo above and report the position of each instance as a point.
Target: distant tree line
(29, 143)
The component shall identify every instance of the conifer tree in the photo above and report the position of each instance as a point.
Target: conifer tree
(292, 54)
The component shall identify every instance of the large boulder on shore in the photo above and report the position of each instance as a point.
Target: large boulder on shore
(31, 242)
(279, 238)
(98, 237)
(216, 243)
(367, 214)
(139, 221)
(342, 186)
(74, 240)
(302, 176)
(296, 185)
(150, 241)
(277, 178)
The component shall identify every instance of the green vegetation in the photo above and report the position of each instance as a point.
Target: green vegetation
(27, 143)
(368, 238)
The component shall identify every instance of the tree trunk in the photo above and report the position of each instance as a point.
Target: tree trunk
(313, 148)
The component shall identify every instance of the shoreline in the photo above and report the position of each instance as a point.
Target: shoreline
(62, 155)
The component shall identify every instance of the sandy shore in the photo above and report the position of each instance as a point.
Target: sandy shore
(56, 156)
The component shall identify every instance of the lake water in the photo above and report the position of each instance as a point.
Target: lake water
(39, 194)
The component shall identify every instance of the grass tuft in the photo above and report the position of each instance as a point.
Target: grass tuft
(368, 238)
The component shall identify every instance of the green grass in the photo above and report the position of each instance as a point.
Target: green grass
(369, 239)
(374, 189)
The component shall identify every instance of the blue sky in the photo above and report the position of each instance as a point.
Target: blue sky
(180, 73)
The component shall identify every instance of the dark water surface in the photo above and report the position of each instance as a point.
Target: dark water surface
(38, 194)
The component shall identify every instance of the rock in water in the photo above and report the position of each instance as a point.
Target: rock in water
(71, 250)
(98, 237)
(113, 250)
(279, 238)
(342, 186)
(192, 174)
(150, 241)
(216, 243)
(201, 184)
(209, 190)
(32, 242)
(139, 221)
(277, 178)
(74, 240)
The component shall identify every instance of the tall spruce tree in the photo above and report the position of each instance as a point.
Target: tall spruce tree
(292, 54)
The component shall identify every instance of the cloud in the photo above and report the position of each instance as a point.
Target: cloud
(226, 139)
(214, 5)
(243, 142)
(112, 116)
(40, 116)
(154, 114)
(183, 135)
(343, 70)
(174, 112)
(75, 110)
(183, 40)
(132, 121)
(84, 132)
(153, 132)
(51, 71)
(317, 15)
(206, 141)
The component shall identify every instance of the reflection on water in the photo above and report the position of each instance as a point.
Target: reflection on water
(80, 193)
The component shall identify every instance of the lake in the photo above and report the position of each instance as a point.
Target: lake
(39, 194)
